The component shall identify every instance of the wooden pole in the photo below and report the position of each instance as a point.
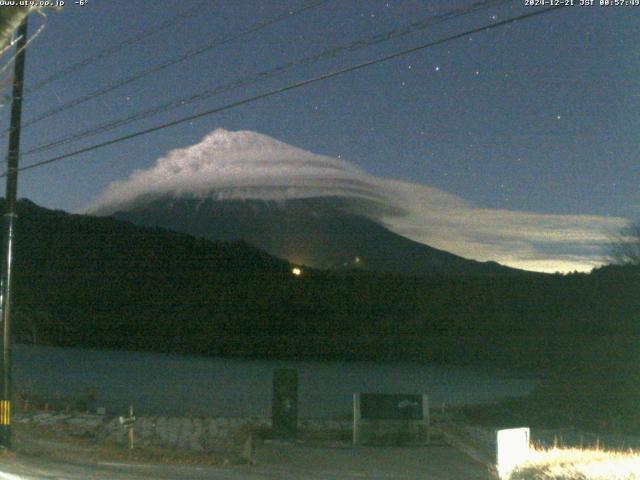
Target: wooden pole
(9, 218)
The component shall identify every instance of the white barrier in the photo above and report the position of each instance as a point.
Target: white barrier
(512, 449)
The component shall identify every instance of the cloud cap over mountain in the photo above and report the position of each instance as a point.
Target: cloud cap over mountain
(247, 165)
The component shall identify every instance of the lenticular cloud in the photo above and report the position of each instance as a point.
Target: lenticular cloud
(246, 165)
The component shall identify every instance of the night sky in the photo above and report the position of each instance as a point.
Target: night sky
(534, 123)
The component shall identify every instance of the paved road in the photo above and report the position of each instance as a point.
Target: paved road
(286, 462)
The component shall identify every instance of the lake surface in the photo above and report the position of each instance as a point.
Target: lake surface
(158, 384)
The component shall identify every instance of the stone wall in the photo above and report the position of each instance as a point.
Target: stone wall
(196, 434)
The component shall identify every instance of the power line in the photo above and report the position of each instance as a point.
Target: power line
(174, 61)
(255, 78)
(290, 87)
(15, 55)
(107, 52)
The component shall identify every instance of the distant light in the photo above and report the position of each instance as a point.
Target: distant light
(296, 271)
(357, 259)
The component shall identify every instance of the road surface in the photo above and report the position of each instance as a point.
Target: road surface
(274, 461)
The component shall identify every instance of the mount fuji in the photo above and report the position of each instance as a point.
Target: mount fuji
(309, 209)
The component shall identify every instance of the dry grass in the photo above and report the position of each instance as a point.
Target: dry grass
(579, 464)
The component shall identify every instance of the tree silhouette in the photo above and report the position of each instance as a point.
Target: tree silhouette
(625, 249)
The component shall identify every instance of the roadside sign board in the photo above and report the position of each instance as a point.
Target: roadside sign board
(376, 406)
(396, 418)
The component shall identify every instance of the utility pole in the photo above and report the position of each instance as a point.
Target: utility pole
(9, 218)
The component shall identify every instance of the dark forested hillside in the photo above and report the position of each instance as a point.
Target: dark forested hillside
(323, 232)
(91, 281)
(100, 282)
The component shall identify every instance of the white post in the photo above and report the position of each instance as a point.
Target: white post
(512, 449)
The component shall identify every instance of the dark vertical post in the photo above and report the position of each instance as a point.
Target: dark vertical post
(9, 217)
(285, 404)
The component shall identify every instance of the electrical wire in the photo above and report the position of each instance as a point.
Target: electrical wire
(29, 41)
(174, 61)
(290, 87)
(107, 52)
(255, 78)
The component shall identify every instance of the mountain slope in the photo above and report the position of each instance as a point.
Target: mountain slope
(58, 240)
(320, 232)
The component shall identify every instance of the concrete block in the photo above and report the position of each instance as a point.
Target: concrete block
(162, 427)
(173, 431)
